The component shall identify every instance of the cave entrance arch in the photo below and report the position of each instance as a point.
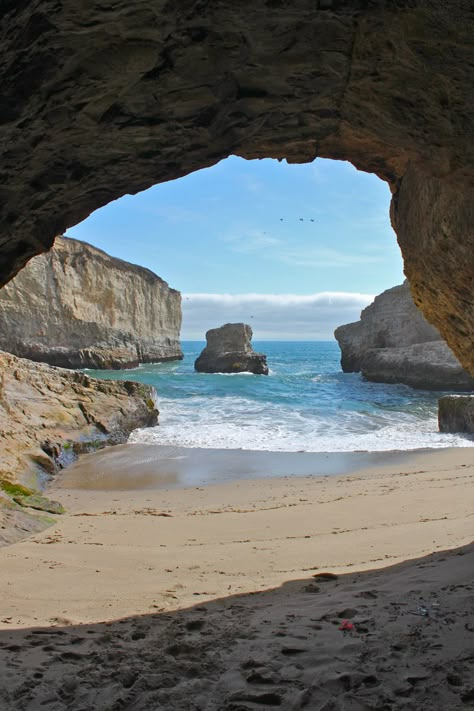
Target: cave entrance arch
(263, 227)
(99, 101)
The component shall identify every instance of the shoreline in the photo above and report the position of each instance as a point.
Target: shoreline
(151, 466)
(119, 553)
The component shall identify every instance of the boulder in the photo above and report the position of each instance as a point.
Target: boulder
(456, 413)
(229, 350)
(77, 307)
(393, 343)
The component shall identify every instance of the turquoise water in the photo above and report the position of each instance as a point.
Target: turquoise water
(306, 404)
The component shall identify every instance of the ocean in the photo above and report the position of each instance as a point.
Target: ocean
(306, 404)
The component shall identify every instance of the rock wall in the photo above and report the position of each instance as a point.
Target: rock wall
(393, 343)
(103, 99)
(77, 307)
(46, 413)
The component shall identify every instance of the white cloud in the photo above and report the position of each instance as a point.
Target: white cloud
(273, 316)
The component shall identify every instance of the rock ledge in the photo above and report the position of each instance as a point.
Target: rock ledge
(48, 415)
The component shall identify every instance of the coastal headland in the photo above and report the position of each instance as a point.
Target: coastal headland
(181, 596)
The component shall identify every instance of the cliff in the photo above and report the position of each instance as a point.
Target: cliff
(77, 307)
(393, 343)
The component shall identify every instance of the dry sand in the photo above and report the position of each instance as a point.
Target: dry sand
(147, 599)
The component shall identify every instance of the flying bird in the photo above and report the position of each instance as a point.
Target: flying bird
(301, 219)
(311, 220)
(281, 219)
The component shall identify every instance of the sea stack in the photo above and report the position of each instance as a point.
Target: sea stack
(393, 343)
(78, 307)
(229, 350)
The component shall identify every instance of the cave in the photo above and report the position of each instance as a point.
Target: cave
(104, 98)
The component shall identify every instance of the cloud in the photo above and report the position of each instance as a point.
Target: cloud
(273, 316)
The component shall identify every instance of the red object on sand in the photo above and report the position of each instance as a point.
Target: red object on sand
(346, 626)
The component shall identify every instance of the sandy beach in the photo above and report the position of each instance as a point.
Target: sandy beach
(213, 597)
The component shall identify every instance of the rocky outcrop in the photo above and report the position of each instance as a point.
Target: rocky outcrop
(47, 414)
(391, 321)
(229, 350)
(77, 307)
(393, 343)
(427, 366)
(456, 413)
(103, 99)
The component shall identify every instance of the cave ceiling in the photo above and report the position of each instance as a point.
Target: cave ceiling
(106, 97)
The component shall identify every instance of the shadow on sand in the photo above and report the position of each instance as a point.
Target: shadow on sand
(412, 647)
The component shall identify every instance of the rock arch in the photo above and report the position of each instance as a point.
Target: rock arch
(106, 97)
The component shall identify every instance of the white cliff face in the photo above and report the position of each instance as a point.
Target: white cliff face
(391, 321)
(76, 307)
(393, 343)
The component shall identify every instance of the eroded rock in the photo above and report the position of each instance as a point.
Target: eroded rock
(229, 350)
(43, 408)
(77, 307)
(393, 343)
(103, 99)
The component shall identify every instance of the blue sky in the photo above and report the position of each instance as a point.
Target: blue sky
(311, 243)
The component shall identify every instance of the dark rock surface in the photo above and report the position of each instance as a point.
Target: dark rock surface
(229, 350)
(393, 343)
(103, 99)
(77, 307)
(456, 413)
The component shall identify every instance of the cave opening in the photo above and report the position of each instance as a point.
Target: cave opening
(295, 250)
(102, 99)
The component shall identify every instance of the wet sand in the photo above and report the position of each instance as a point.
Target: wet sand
(218, 597)
(142, 466)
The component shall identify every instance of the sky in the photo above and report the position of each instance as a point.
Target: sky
(294, 250)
